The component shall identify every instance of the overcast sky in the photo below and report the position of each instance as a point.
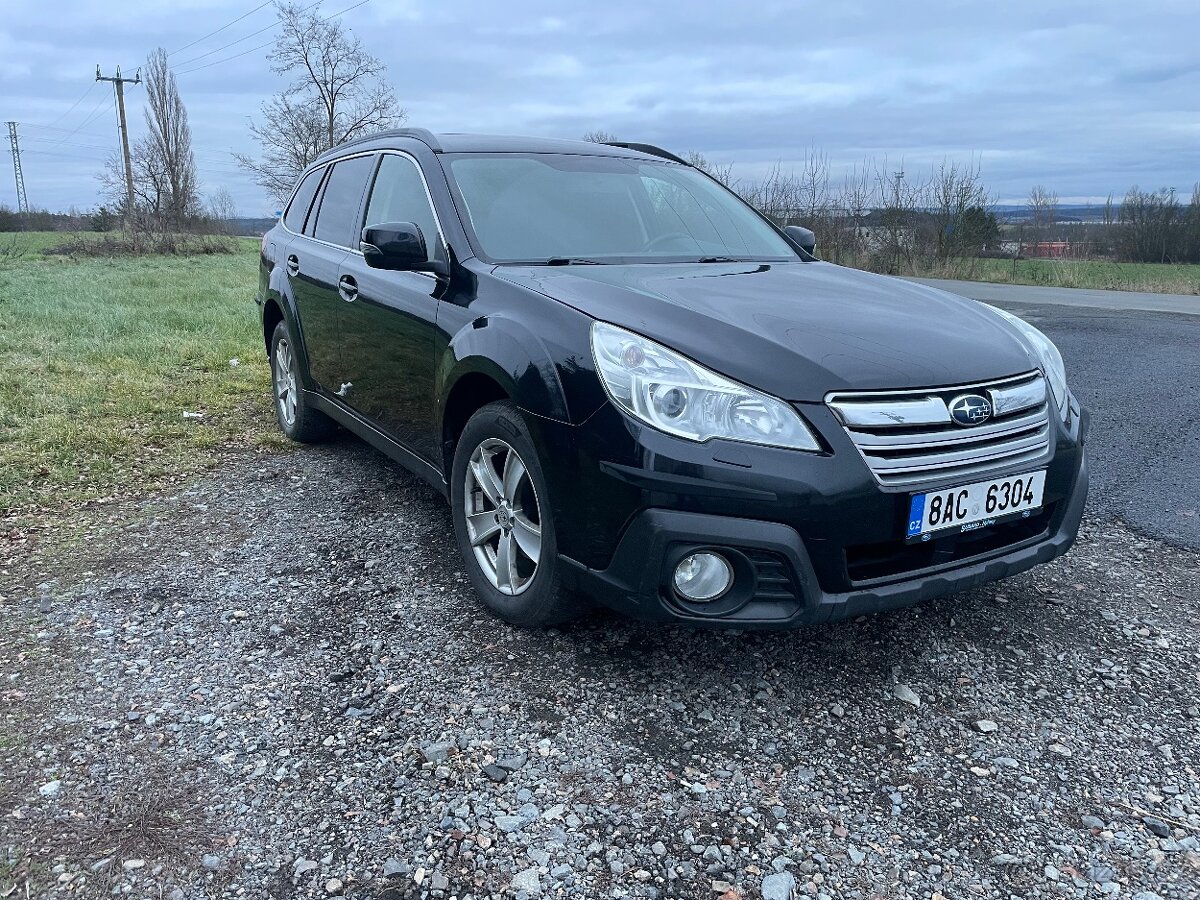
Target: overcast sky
(1084, 97)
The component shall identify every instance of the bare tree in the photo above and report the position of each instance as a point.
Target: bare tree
(338, 92)
(723, 174)
(169, 141)
(600, 136)
(958, 207)
(151, 185)
(900, 198)
(1043, 211)
(165, 184)
(221, 210)
(1152, 226)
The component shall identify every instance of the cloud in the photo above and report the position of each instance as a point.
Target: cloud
(1086, 98)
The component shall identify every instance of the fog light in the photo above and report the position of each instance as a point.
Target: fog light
(701, 577)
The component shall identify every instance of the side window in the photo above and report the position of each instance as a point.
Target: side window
(337, 217)
(399, 196)
(297, 210)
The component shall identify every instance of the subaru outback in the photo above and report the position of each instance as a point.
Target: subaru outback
(634, 389)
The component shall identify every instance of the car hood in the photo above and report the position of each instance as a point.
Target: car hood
(796, 330)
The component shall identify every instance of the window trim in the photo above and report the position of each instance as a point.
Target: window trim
(437, 220)
(359, 213)
(324, 170)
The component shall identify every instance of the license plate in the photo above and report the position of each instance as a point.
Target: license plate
(974, 506)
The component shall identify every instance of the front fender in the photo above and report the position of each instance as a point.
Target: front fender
(514, 357)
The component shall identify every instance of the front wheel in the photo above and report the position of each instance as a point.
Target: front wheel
(502, 520)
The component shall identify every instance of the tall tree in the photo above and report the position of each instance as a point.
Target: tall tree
(337, 92)
(165, 185)
(169, 141)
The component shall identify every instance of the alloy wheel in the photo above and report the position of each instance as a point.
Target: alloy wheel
(504, 522)
(285, 381)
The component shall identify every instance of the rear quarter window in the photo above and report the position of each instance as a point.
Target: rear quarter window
(297, 210)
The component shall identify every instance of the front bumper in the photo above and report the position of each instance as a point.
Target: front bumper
(635, 582)
(802, 554)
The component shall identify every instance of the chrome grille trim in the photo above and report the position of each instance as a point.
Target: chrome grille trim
(1035, 419)
(1014, 398)
(907, 437)
(890, 413)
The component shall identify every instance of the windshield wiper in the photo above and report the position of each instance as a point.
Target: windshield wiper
(572, 261)
(718, 259)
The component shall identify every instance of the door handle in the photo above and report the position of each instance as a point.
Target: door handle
(347, 287)
(293, 265)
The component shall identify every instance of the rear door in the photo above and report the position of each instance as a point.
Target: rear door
(315, 334)
(316, 257)
(388, 328)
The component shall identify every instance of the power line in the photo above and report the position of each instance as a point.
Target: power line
(267, 43)
(55, 143)
(220, 154)
(66, 131)
(69, 110)
(90, 117)
(247, 37)
(222, 28)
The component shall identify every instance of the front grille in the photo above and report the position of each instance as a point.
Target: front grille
(909, 439)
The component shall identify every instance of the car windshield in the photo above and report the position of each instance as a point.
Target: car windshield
(566, 208)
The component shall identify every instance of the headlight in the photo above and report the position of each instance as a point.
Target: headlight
(1051, 359)
(673, 394)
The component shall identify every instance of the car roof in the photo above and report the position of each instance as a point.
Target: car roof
(457, 142)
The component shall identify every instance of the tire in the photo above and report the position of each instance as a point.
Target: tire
(297, 419)
(510, 521)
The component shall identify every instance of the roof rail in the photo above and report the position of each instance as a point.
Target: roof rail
(424, 135)
(648, 148)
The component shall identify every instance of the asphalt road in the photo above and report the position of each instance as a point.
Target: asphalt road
(1138, 371)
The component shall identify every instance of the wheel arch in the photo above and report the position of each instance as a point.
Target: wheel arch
(272, 315)
(496, 358)
(470, 392)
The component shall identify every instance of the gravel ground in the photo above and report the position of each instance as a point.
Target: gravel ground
(277, 684)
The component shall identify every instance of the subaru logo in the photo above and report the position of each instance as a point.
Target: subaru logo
(970, 409)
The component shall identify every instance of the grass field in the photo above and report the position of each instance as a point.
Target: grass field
(100, 359)
(1070, 273)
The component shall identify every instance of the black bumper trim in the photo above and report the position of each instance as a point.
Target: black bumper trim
(632, 583)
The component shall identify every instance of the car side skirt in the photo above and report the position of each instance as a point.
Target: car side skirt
(382, 442)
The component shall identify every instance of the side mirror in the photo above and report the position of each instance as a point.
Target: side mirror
(804, 237)
(398, 246)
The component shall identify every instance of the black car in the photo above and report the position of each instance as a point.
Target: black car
(633, 388)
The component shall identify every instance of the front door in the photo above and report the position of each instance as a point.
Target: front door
(387, 327)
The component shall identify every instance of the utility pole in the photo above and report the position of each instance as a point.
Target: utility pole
(22, 201)
(119, 83)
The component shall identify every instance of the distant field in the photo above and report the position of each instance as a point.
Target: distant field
(100, 359)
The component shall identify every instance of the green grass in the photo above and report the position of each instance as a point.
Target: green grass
(1160, 278)
(101, 357)
(99, 360)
